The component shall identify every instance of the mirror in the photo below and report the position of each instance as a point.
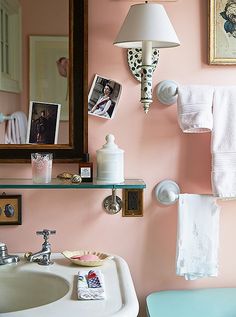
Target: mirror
(75, 124)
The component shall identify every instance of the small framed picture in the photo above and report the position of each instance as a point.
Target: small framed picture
(103, 97)
(43, 123)
(10, 209)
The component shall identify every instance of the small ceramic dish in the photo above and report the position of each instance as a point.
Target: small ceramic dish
(86, 258)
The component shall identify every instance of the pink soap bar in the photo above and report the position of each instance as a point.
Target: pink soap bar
(85, 257)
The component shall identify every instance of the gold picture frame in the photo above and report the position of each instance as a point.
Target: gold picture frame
(10, 209)
(222, 32)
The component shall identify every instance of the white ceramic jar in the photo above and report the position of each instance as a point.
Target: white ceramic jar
(110, 162)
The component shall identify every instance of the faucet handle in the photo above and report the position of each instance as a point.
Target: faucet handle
(2, 245)
(45, 233)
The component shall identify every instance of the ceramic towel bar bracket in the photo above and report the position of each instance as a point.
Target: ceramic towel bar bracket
(167, 91)
(3, 118)
(167, 192)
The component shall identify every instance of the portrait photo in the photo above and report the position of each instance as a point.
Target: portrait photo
(43, 123)
(103, 97)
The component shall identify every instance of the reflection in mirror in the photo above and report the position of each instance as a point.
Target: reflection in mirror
(49, 70)
(51, 33)
(48, 76)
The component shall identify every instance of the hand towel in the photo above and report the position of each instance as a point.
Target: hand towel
(16, 129)
(198, 236)
(91, 285)
(223, 146)
(194, 104)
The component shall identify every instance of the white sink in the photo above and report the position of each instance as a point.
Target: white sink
(24, 290)
(29, 289)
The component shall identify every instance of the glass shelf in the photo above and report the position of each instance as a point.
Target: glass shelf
(61, 184)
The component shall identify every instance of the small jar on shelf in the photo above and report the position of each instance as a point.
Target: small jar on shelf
(86, 169)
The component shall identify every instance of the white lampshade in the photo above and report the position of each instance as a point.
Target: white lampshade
(147, 22)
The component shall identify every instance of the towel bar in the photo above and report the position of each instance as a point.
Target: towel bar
(167, 192)
(167, 91)
(3, 117)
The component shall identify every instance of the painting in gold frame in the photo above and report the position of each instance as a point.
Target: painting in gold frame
(10, 209)
(222, 32)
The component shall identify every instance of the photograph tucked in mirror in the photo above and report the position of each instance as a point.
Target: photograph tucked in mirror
(43, 123)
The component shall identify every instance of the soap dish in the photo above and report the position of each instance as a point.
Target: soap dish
(100, 257)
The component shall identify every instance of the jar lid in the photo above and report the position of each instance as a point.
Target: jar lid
(110, 144)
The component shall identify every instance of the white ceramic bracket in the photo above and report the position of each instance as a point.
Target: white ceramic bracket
(166, 92)
(167, 192)
(3, 117)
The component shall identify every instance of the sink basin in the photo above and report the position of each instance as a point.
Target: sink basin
(28, 289)
(24, 290)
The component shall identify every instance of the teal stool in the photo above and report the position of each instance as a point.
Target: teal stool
(211, 302)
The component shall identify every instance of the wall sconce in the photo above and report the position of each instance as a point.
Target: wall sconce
(146, 26)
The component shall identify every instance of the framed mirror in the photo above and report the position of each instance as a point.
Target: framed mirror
(75, 147)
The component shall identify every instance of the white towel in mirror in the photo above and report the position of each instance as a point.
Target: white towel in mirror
(16, 129)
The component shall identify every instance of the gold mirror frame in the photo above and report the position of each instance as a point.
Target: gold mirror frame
(77, 148)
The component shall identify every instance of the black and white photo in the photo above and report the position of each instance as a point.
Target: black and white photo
(103, 97)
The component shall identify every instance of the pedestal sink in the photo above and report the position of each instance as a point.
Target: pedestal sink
(25, 290)
(31, 290)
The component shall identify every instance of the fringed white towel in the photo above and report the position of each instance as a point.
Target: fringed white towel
(198, 236)
(224, 142)
(16, 129)
(195, 108)
(91, 285)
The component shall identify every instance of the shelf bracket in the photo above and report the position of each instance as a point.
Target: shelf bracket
(112, 204)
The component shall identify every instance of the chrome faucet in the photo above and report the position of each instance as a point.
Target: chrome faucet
(5, 258)
(42, 257)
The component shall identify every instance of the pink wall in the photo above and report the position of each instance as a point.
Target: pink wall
(155, 149)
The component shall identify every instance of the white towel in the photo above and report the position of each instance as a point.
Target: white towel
(194, 105)
(16, 129)
(198, 236)
(91, 288)
(224, 142)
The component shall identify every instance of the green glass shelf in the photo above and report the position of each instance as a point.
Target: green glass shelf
(59, 184)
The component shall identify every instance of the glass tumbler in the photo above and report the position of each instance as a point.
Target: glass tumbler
(41, 167)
